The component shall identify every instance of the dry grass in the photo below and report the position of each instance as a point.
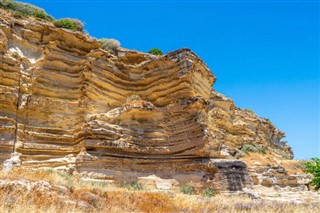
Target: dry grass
(70, 194)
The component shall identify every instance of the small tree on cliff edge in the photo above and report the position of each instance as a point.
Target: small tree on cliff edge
(155, 51)
(313, 167)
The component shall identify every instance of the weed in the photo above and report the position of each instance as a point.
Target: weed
(188, 189)
(208, 192)
(133, 97)
(134, 186)
(247, 148)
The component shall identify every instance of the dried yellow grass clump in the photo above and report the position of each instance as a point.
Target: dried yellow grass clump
(51, 191)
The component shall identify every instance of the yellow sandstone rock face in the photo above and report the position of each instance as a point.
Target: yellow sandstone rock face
(66, 103)
(235, 131)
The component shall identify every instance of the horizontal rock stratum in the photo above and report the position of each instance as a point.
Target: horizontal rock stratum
(66, 103)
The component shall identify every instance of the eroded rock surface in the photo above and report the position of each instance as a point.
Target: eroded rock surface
(232, 129)
(68, 104)
(231, 175)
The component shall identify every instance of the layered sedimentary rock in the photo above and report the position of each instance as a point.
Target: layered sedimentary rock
(66, 103)
(231, 175)
(233, 129)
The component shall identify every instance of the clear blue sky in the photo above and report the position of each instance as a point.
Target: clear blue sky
(265, 54)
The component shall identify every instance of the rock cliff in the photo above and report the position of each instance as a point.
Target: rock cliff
(66, 103)
(235, 131)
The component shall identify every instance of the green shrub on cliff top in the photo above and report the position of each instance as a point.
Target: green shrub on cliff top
(155, 51)
(110, 44)
(25, 10)
(69, 23)
(313, 167)
(21, 10)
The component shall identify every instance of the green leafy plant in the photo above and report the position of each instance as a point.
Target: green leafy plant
(188, 189)
(110, 44)
(155, 51)
(69, 23)
(208, 192)
(313, 167)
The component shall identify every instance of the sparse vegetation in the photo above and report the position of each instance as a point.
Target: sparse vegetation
(69, 23)
(267, 119)
(208, 192)
(155, 51)
(313, 167)
(300, 164)
(247, 148)
(18, 14)
(41, 15)
(188, 189)
(110, 44)
(25, 10)
(133, 97)
(134, 186)
(248, 110)
(93, 196)
(71, 193)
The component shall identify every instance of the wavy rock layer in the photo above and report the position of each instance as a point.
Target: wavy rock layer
(233, 130)
(66, 103)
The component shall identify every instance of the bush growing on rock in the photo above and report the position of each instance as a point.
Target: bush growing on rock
(25, 10)
(247, 148)
(69, 23)
(313, 167)
(110, 44)
(155, 51)
(133, 97)
(42, 15)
